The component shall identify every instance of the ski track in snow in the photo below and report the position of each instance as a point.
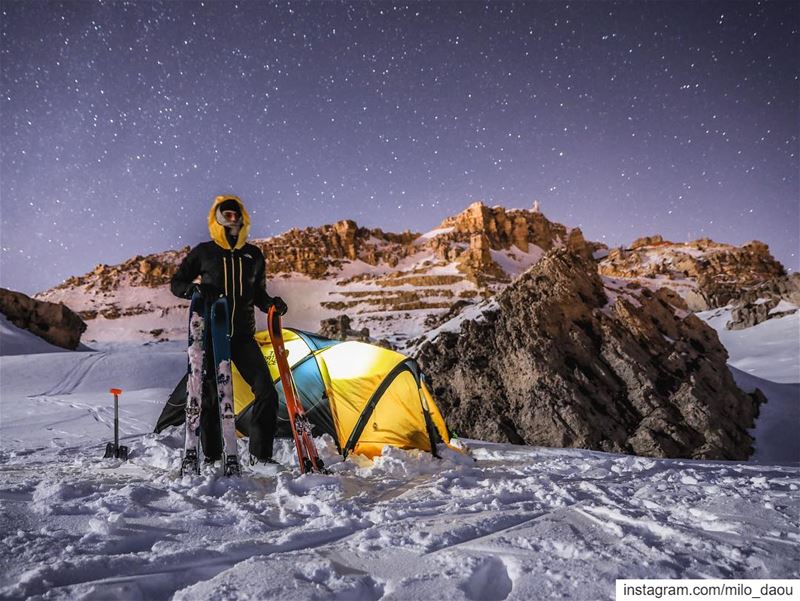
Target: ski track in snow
(518, 523)
(75, 377)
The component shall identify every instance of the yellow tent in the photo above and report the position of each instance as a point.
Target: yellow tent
(364, 396)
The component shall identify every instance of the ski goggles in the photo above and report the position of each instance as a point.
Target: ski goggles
(231, 216)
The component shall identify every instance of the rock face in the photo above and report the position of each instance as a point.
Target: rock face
(570, 360)
(480, 229)
(706, 273)
(317, 252)
(774, 298)
(56, 323)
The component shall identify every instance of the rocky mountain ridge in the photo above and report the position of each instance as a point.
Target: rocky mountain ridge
(707, 274)
(384, 281)
(771, 299)
(399, 285)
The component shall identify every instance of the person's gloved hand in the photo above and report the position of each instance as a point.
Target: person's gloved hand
(206, 291)
(280, 305)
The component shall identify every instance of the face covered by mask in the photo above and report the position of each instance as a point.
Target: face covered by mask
(229, 216)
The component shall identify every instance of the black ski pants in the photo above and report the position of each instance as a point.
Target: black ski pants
(249, 360)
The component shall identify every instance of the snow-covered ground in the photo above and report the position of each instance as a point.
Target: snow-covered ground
(516, 523)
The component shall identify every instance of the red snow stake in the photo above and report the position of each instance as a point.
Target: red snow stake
(301, 427)
(113, 449)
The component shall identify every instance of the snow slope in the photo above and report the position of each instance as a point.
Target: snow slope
(769, 350)
(518, 523)
(767, 357)
(776, 428)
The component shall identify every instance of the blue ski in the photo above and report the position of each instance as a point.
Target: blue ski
(220, 337)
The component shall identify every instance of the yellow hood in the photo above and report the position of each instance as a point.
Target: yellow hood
(218, 232)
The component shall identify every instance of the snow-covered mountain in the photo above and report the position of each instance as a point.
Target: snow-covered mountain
(403, 285)
(397, 285)
(705, 273)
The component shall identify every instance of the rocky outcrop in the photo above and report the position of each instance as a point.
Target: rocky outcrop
(340, 328)
(645, 241)
(772, 299)
(477, 263)
(570, 360)
(504, 228)
(706, 273)
(318, 251)
(55, 323)
(434, 321)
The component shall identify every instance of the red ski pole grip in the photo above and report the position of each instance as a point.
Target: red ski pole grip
(116, 391)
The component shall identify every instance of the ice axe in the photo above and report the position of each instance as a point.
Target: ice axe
(114, 449)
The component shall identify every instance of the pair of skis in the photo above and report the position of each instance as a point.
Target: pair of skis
(220, 338)
(199, 314)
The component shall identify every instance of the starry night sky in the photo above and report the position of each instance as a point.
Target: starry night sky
(121, 121)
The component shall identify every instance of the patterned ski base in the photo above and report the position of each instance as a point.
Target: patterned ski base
(194, 388)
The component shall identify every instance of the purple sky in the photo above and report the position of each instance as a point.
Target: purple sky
(120, 122)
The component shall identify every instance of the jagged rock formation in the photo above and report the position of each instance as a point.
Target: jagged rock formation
(318, 252)
(645, 241)
(55, 323)
(568, 360)
(466, 239)
(434, 321)
(470, 236)
(772, 299)
(706, 273)
(399, 284)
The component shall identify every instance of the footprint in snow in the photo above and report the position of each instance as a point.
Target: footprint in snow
(489, 581)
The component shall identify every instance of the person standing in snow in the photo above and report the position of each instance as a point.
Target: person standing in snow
(228, 266)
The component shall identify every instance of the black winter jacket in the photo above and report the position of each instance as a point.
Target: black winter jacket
(240, 274)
